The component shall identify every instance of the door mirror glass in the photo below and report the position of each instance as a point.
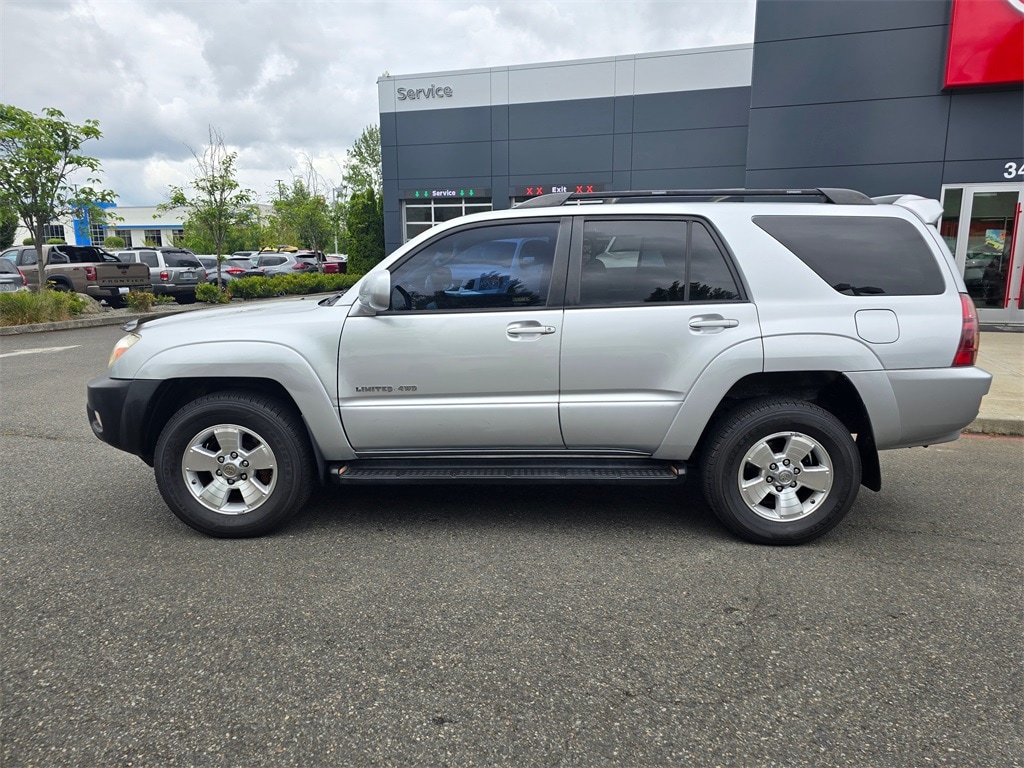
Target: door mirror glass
(375, 291)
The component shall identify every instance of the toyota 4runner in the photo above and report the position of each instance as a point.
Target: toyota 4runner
(768, 342)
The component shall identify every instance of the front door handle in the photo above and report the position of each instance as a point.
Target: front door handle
(529, 328)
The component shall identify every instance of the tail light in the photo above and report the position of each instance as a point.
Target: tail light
(90, 273)
(235, 271)
(24, 282)
(300, 265)
(967, 350)
(165, 275)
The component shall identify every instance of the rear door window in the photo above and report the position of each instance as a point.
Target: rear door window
(860, 255)
(652, 261)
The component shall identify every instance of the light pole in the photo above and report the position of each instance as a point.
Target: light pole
(337, 191)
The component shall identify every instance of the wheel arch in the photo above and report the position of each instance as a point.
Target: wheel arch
(172, 394)
(192, 370)
(831, 390)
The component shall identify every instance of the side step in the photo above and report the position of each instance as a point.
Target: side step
(428, 471)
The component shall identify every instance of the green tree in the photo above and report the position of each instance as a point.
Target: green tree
(363, 169)
(365, 224)
(215, 203)
(39, 155)
(8, 226)
(114, 242)
(302, 210)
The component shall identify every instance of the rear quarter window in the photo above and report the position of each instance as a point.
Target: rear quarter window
(182, 260)
(860, 255)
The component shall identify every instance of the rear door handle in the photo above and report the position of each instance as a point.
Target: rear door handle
(708, 323)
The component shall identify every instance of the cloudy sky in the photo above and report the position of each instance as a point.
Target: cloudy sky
(284, 81)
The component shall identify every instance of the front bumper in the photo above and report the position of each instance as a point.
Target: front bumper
(117, 411)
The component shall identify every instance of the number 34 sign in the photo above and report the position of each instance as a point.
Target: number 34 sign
(1012, 170)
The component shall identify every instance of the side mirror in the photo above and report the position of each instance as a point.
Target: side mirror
(375, 291)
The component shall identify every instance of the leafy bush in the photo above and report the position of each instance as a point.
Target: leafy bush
(25, 307)
(114, 242)
(265, 287)
(211, 294)
(55, 241)
(140, 301)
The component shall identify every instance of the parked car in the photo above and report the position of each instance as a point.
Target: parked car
(173, 271)
(336, 262)
(769, 348)
(231, 268)
(11, 278)
(271, 264)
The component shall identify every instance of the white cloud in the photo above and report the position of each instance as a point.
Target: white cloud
(283, 81)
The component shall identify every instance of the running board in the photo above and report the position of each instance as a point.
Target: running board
(525, 471)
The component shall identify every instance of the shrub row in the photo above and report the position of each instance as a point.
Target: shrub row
(25, 307)
(279, 285)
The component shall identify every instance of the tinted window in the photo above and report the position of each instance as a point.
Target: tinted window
(182, 260)
(149, 258)
(7, 266)
(81, 254)
(860, 255)
(709, 278)
(645, 261)
(483, 268)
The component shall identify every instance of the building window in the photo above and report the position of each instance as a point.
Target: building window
(97, 233)
(53, 232)
(126, 235)
(420, 216)
(178, 236)
(154, 237)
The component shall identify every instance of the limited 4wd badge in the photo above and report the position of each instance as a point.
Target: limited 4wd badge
(403, 388)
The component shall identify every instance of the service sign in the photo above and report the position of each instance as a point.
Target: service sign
(986, 43)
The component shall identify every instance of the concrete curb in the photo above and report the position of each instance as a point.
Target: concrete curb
(1002, 427)
(89, 321)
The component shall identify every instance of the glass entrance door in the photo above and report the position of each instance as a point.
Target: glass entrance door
(981, 224)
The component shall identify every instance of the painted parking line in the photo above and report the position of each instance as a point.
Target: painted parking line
(39, 351)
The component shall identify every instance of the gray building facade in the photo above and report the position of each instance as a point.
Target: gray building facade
(846, 93)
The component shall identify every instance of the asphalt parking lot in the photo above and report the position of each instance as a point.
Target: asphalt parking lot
(465, 626)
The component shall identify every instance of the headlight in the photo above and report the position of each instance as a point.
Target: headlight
(122, 346)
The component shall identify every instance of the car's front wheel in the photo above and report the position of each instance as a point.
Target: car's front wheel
(234, 464)
(780, 471)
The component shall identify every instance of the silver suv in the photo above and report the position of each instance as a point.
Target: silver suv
(173, 271)
(768, 342)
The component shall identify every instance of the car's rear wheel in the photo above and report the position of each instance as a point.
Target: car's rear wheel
(234, 464)
(780, 471)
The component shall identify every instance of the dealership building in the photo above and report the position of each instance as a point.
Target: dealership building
(923, 97)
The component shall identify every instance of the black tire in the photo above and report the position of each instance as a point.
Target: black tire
(220, 433)
(762, 499)
(188, 298)
(60, 285)
(116, 302)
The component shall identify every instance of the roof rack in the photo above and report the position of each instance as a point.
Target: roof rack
(827, 194)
